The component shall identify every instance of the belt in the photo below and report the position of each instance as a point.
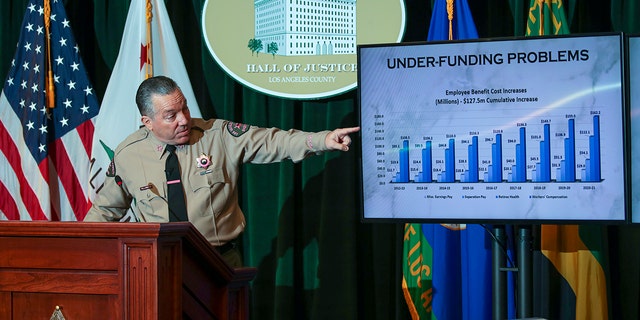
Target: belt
(226, 247)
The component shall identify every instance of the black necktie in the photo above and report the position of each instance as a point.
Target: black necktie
(175, 198)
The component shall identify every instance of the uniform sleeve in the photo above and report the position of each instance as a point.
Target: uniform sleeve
(266, 145)
(111, 203)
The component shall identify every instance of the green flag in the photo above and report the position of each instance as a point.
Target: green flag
(417, 278)
(547, 17)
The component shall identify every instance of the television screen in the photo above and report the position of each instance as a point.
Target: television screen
(634, 107)
(497, 130)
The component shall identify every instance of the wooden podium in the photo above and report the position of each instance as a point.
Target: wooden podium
(116, 271)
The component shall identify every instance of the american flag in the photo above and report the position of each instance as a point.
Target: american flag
(44, 152)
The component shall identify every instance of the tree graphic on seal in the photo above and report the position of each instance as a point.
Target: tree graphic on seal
(255, 45)
(272, 48)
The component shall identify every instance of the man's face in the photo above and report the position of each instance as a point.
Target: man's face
(171, 122)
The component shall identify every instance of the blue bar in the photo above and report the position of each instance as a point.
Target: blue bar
(402, 176)
(427, 165)
(496, 160)
(543, 172)
(560, 172)
(521, 157)
(593, 165)
(449, 174)
(594, 156)
(568, 165)
(492, 171)
(519, 170)
(586, 172)
(404, 162)
(472, 172)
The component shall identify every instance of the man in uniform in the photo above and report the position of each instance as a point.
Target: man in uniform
(210, 154)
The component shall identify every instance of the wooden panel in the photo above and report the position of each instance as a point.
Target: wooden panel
(73, 306)
(58, 281)
(194, 309)
(140, 281)
(59, 253)
(204, 287)
(5, 305)
(239, 302)
(170, 278)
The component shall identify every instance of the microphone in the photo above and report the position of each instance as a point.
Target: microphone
(118, 180)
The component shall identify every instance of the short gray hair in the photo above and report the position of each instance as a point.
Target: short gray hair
(155, 85)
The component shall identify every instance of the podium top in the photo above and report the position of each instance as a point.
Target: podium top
(93, 229)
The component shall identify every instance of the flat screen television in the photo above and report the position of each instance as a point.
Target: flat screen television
(633, 47)
(493, 130)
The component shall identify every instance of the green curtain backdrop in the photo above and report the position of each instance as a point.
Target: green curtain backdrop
(315, 259)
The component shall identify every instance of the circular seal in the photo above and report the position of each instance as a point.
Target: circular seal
(297, 49)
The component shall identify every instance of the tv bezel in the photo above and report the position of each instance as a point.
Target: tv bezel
(625, 125)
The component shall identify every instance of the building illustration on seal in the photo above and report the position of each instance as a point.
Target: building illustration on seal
(304, 27)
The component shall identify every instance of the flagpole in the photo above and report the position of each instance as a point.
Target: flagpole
(149, 62)
(50, 88)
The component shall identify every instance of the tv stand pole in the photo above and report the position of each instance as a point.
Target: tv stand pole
(524, 270)
(499, 260)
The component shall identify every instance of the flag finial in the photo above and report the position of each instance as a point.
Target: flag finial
(50, 87)
(450, 17)
(149, 47)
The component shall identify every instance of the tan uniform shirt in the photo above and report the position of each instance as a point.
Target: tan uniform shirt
(137, 174)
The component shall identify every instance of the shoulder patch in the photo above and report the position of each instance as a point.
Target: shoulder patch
(237, 129)
(111, 169)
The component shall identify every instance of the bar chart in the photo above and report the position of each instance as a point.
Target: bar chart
(568, 164)
(516, 141)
